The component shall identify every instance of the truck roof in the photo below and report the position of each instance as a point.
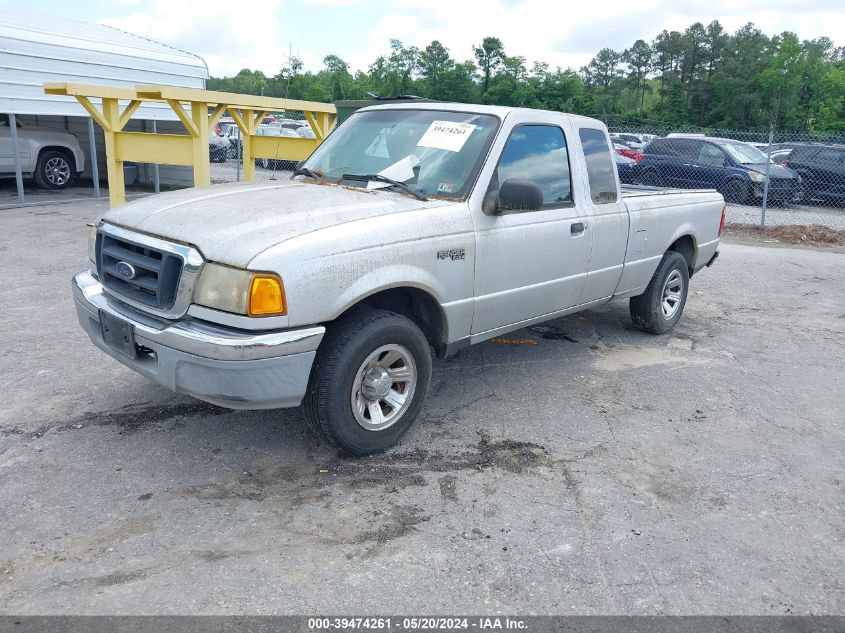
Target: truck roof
(475, 108)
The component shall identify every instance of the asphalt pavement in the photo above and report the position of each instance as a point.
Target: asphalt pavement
(582, 467)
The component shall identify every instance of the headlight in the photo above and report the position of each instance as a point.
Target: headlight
(92, 243)
(240, 291)
(757, 177)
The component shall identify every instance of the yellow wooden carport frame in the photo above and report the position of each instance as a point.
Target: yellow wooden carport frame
(199, 111)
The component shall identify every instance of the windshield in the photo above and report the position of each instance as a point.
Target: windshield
(744, 154)
(447, 147)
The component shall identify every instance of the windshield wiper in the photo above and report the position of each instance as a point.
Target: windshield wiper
(389, 181)
(304, 171)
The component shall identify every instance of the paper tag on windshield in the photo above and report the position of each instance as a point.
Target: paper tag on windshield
(446, 135)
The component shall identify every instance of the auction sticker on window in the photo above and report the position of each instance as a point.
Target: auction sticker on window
(446, 135)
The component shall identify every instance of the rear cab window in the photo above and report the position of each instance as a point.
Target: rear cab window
(601, 171)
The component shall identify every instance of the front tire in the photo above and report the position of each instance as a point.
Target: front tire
(659, 308)
(369, 381)
(55, 170)
(734, 191)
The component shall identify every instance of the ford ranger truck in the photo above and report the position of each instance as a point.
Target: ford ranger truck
(412, 230)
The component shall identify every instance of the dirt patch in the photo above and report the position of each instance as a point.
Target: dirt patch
(552, 333)
(809, 234)
(448, 488)
(108, 580)
(130, 418)
(389, 472)
(402, 520)
(515, 457)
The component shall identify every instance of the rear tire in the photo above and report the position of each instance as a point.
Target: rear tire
(659, 308)
(55, 170)
(369, 381)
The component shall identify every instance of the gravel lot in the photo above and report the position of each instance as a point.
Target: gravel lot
(579, 468)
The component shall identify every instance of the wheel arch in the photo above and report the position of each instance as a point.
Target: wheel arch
(416, 303)
(686, 246)
(64, 149)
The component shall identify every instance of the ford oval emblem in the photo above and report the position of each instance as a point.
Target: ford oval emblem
(125, 270)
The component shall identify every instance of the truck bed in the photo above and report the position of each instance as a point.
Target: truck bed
(633, 191)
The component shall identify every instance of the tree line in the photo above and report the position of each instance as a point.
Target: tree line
(702, 77)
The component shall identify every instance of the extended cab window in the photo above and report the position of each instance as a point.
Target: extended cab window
(538, 153)
(601, 171)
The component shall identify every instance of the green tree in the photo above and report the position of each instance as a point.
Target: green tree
(638, 58)
(489, 55)
(434, 64)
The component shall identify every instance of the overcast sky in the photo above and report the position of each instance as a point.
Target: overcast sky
(258, 35)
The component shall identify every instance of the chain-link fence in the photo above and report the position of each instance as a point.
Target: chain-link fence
(226, 149)
(766, 178)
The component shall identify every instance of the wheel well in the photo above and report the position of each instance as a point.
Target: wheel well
(685, 246)
(417, 305)
(63, 150)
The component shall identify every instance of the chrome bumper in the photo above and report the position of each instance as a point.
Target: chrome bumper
(227, 367)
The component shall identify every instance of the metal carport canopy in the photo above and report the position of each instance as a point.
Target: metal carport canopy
(39, 48)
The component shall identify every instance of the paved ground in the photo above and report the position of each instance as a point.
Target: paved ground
(595, 470)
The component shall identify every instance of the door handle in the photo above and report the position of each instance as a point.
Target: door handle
(576, 228)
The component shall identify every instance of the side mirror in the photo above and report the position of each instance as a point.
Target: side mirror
(517, 194)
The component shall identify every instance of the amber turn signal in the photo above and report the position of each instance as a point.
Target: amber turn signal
(266, 296)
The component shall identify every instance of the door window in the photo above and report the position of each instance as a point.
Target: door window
(538, 153)
(601, 171)
(711, 155)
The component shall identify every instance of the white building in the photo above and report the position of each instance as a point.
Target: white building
(35, 49)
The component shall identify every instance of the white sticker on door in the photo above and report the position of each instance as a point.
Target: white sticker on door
(446, 135)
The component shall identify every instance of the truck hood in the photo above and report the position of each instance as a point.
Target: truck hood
(234, 223)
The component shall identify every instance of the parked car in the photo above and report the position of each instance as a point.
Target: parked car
(626, 151)
(779, 152)
(292, 124)
(822, 170)
(275, 130)
(631, 140)
(232, 133)
(218, 148)
(54, 159)
(626, 168)
(305, 132)
(332, 289)
(737, 170)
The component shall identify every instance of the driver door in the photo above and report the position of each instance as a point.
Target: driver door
(531, 263)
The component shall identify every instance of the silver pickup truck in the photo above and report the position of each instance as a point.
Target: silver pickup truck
(413, 228)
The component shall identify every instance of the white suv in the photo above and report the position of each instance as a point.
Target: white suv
(53, 158)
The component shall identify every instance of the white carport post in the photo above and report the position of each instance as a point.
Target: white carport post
(95, 168)
(13, 130)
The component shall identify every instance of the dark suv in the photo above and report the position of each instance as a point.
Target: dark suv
(734, 168)
(822, 168)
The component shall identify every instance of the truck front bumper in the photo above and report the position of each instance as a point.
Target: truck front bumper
(227, 367)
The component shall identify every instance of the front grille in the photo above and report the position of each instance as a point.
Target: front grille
(156, 273)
